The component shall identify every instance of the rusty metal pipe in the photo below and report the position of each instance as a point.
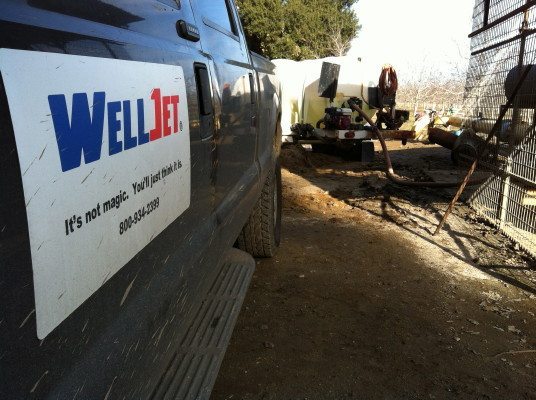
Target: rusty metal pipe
(493, 132)
(390, 171)
(442, 138)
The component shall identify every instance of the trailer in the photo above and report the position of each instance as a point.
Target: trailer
(316, 96)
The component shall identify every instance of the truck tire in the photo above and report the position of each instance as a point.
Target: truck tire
(261, 234)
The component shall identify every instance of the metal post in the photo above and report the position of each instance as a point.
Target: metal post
(486, 12)
(516, 124)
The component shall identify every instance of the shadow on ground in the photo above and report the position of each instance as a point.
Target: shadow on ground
(362, 303)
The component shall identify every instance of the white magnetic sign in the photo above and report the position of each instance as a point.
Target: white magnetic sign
(104, 150)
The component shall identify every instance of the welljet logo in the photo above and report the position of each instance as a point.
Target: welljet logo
(84, 132)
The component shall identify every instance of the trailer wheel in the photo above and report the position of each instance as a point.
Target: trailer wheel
(262, 233)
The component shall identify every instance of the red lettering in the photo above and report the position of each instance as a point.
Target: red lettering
(156, 133)
(166, 115)
(175, 103)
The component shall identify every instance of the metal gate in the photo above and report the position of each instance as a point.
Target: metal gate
(503, 43)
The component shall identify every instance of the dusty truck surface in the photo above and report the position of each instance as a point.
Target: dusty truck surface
(139, 154)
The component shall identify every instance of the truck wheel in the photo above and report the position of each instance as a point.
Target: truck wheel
(262, 232)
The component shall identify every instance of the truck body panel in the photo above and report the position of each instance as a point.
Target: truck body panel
(120, 341)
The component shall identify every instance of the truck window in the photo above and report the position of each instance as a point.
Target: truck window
(217, 11)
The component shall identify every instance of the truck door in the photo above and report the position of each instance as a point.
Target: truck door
(111, 326)
(234, 88)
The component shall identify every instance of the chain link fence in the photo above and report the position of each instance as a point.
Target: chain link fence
(503, 43)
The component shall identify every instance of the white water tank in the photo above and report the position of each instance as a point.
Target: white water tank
(299, 82)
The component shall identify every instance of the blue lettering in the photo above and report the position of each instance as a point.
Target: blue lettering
(83, 133)
(114, 126)
(130, 142)
(143, 137)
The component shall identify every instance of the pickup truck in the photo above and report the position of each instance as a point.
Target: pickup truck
(139, 145)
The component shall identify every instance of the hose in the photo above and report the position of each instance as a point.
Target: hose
(388, 83)
(389, 166)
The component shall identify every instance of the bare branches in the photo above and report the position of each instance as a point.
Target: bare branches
(426, 85)
(339, 44)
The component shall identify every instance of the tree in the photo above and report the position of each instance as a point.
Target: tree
(299, 29)
(427, 84)
(339, 45)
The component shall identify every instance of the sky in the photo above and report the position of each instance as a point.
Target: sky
(406, 33)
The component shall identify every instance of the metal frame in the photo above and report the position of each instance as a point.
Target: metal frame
(502, 39)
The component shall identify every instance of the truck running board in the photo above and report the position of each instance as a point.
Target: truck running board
(194, 368)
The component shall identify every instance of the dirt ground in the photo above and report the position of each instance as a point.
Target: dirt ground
(362, 302)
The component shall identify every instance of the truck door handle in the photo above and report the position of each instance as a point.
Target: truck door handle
(188, 31)
(204, 96)
(252, 89)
